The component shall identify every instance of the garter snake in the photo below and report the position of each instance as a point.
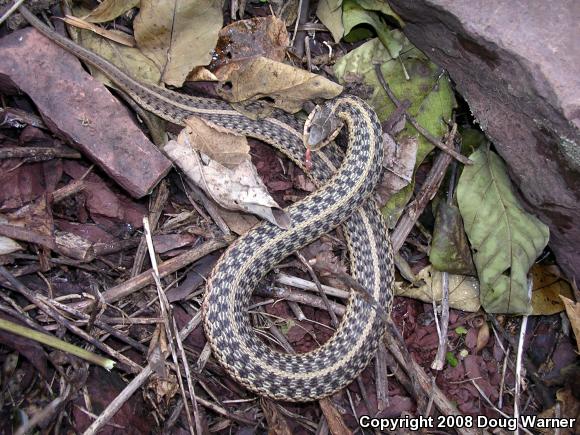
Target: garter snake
(344, 181)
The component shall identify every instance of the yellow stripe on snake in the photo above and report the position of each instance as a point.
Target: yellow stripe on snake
(345, 182)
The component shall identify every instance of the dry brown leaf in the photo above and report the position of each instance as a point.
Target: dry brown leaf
(243, 39)
(237, 187)
(178, 35)
(113, 35)
(399, 163)
(482, 337)
(548, 288)
(463, 290)
(238, 222)
(288, 87)
(277, 424)
(333, 418)
(108, 10)
(573, 311)
(225, 148)
(567, 407)
(201, 74)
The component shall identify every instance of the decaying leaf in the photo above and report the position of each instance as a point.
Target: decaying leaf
(429, 93)
(330, 14)
(236, 221)
(108, 10)
(244, 39)
(505, 239)
(236, 186)
(178, 35)
(573, 311)
(463, 290)
(399, 165)
(288, 87)
(548, 290)
(449, 248)
(223, 147)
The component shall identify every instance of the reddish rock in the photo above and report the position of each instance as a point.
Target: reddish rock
(81, 111)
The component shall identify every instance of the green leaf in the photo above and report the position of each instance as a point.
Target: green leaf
(451, 359)
(505, 239)
(430, 94)
(330, 14)
(460, 330)
(353, 14)
(381, 6)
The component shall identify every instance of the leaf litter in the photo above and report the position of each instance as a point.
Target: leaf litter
(87, 212)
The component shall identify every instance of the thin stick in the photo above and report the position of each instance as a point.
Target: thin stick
(44, 305)
(427, 192)
(135, 384)
(518, 380)
(56, 343)
(333, 318)
(11, 10)
(167, 316)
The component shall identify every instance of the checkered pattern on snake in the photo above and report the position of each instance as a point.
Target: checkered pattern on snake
(345, 183)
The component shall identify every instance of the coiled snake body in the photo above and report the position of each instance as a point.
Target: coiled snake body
(345, 182)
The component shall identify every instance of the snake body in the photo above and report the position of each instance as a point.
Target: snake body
(345, 182)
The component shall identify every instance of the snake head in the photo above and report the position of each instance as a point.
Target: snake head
(322, 126)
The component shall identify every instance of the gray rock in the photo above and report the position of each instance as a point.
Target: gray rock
(517, 63)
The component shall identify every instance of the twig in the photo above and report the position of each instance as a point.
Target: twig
(45, 306)
(294, 281)
(45, 414)
(158, 202)
(503, 414)
(11, 10)
(502, 383)
(414, 123)
(301, 298)
(298, 36)
(427, 192)
(421, 384)
(38, 154)
(55, 343)
(442, 328)
(333, 318)
(443, 325)
(168, 267)
(168, 322)
(518, 380)
(135, 384)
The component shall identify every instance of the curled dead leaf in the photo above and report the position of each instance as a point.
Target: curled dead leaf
(482, 337)
(463, 290)
(284, 85)
(229, 178)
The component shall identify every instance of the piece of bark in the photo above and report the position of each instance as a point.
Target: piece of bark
(80, 110)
